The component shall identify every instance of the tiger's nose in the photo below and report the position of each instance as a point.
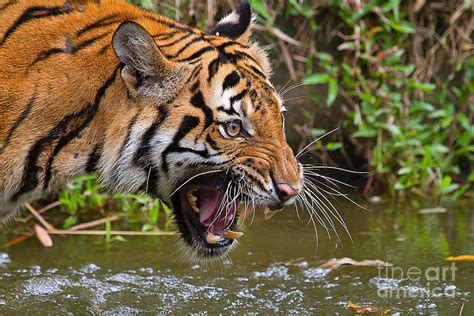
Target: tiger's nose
(286, 192)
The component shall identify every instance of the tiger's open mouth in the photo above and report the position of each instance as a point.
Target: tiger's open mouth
(207, 220)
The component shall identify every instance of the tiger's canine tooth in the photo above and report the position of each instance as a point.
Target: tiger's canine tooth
(230, 234)
(212, 239)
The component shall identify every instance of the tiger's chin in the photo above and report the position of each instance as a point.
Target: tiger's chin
(206, 219)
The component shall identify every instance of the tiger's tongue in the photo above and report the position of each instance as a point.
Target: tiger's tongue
(208, 203)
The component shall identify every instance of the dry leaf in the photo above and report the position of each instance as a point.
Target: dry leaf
(336, 263)
(460, 258)
(43, 236)
(17, 240)
(366, 309)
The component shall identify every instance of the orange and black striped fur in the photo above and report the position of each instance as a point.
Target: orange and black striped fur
(146, 102)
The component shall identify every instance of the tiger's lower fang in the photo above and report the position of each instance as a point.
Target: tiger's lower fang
(230, 234)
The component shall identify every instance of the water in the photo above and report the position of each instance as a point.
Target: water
(145, 275)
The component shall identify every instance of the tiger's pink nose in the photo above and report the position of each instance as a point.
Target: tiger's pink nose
(286, 192)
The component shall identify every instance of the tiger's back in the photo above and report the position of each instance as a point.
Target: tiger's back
(146, 102)
(57, 59)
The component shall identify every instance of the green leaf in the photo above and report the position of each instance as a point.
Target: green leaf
(330, 81)
(405, 170)
(398, 186)
(463, 120)
(333, 146)
(346, 46)
(393, 129)
(439, 148)
(306, 13)
(423, 86)
(445, 182)
(439, 114)
(316, 79)
(402, 27)
(451, 188)
(148, 227)
(315, 132)
(447, 186)
(396, 9)
(421, 106)
(70, 221)
(260, 9)
(332, 91)
(322, 56)
(365, 131)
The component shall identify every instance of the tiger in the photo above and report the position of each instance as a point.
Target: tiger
(149, 105)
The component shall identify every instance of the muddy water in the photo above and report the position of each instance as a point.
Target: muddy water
(144, 275)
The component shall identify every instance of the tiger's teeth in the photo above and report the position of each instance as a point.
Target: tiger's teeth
(212, 239)
(192, 200)
(230, 234)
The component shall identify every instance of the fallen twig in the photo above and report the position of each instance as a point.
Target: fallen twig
(17, 240)
(40, 211)
(40, 218)
(104, 232)
(96, 222)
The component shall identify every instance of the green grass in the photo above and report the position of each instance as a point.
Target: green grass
(86, 198)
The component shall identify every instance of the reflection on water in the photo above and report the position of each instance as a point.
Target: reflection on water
(84, 274)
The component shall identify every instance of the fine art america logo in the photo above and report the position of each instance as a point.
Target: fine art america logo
(432, 279)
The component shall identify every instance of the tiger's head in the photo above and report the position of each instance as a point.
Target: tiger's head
(210, 127)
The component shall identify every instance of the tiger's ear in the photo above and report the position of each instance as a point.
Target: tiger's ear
(146, 71)
(237, 25)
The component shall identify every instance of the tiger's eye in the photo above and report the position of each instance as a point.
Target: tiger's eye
(233, 128)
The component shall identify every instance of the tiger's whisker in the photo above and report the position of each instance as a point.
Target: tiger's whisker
(332, 211)
(310, 167)
(323, 212)
(291, 88)
(330, 179)
(314, 141)
(284, 86)
(295, 98)
(336, 214)
(304, 201)
(193, 177)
